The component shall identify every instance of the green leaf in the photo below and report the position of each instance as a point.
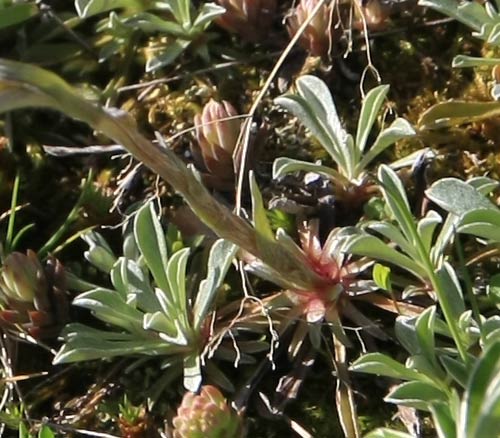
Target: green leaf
(99, 252)
(315, 108)
(419, 395)
(387, 433)
(483, 223)
(450, 287)
(151, 23)
(424, 328)
(87, 8)
(462, 61)
(176, 274)
(382, 276)
(110, 307)
(494, 288)
(207, 13)
(457, 197)
(480, 413)
(443, 420)
(392, 232)
(373, 247)
(284, 165)
(426, 228)
(406, 333)
(456, 112)
(455, 369)
(382, 365)
(23, 431)
(395, 196)
(86, 343)
(46, 432)
(167, 55)
(151, 242)
(192, 372)
(398, 129)
(369, 111)
(221, 256)
(470, 14)
(17, 13)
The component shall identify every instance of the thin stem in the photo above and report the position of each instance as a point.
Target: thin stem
(72, 216)
(12, 217)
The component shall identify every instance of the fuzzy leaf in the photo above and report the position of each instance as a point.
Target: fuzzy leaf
(420, 395)
(221, 256)
(283, 166)
(151, 242)
(480, 413)
(371, 246)
(382, 365)
(369, 111)
(457, 197)
(398, 129)
(483, 223)
(87, 8)
(456, 112)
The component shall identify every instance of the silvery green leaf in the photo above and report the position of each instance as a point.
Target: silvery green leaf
(150, 239)
(490, 32)
(462, 61)
(99, 252)
(87, 8)
(471, 14)
(119, 278)
(392, 233)
(456, 369)
(151, 23)
(371, 246)
(221, 256)
(206, 15)
(176, 274)
(411, 159)
(395, 196)
(427, 226)
(484, 223)
(382, 365)
(139, 287)
(315, 108)
(483, 184)
(456, 112)
(480, 410)
(490, 330)
(406, 334)
(419, 395)
(424, 329)
(443, 420)
(87, 343)
(284, 165)
(398, 129)
(456, 196)
(159, 322)
(369, 112)
(192, 372)
(450, 286)
(108, 306)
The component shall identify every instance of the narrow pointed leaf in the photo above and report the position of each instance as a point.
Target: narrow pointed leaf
(369, 112)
